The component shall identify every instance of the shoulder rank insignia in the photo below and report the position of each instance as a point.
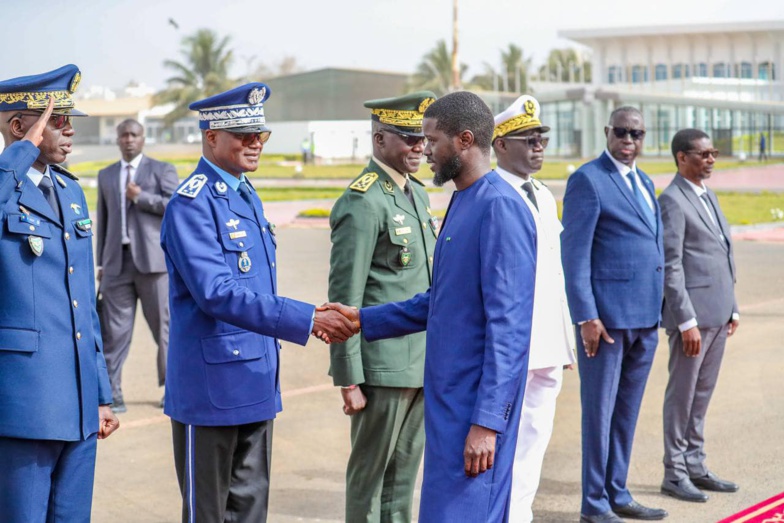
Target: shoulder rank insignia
(364, 183)
(192, 186)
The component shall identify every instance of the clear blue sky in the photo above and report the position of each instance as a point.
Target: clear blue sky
(115, 41)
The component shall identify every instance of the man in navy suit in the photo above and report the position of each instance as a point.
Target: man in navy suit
(613, 260)
(54, 389)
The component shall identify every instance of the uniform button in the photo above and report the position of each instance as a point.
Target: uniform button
(424, 226)
(75, 303)
(405, 240)
(431, 259)
(67, 236)
(70, 270)
(658, 269)
(242, 244)
(273, 265)
(78, 335)
(32, 227)
(236, 352)
(263, 229)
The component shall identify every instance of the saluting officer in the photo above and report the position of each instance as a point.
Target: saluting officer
(222, 385)
(383, 239)
(54, 389)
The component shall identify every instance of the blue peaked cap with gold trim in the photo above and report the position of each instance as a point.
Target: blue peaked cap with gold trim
(32, 93)
(239, 110)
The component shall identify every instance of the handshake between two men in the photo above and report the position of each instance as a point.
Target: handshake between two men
(335, 322)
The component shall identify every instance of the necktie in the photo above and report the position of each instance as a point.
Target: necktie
(528, 187)
(409, 193)
(245, 194)
(47, 188)
(647, 211)
(712, 214)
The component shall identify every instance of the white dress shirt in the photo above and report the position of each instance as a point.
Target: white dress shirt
(125, 178)
(623, 170)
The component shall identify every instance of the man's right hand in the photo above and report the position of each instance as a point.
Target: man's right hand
(331, 326)
(354, 400)
(35, 134)
(591, 331)
(692, 342)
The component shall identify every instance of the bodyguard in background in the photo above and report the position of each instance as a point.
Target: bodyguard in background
(613, 261)
(519, 144)
(699, 313)
(383, 238)
(132, 196)
(54, 389)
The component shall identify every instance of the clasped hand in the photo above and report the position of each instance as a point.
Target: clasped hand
(335, 322)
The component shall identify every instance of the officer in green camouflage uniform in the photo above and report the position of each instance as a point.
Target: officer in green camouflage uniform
(383, 238)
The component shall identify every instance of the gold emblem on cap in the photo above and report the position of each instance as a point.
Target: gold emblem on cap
(425, 104)
(75, 82)
(530, 107)
(256, 95)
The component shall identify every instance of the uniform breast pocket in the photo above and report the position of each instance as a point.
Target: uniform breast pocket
(239, 253)
(31, 233)
(237, 369)
(403, 249)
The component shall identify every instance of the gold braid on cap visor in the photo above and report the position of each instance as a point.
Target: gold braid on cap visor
(520, 122)
(399, 118)
(39, 100)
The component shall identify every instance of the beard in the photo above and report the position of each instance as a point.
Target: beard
(449, 171)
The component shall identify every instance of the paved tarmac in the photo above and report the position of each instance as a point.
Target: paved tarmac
(136, 482)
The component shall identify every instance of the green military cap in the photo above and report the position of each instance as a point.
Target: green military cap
(403, 113)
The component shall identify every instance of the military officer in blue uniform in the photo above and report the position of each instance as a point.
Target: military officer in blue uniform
(222, 380)
(54, 389)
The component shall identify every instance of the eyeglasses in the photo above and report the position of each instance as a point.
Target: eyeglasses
(58, 120)
(409, 140)
(621, 132)
(249, 139)
(704, 154)
(531, 141)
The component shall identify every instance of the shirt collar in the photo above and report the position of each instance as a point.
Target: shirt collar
(36, 176)
(699, 189)
(621, 167)
(231, 181)
(514, 180)
(399, 179)
(133, 163)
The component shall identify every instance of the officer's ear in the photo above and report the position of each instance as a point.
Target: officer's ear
(16, 128)
(378, 138)
(210, 138)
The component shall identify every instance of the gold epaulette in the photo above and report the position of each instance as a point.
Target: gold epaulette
(62, 170)
(364, 183)
(417, 180)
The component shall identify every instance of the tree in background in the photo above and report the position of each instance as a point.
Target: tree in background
(434, 72)
(511, 75)
(565, 65)
(203, 72)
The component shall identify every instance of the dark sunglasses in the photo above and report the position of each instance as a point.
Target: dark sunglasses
(704, 154)
(409, 140)
(249, 139)
(58, 120)
(531, 141)
(621, 132)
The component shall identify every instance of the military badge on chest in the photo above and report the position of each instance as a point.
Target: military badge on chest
(36, 244)
(405, 257)
(244, 262)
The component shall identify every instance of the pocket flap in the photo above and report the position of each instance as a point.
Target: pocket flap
(402, 236)
(234, 241)
(233, 346)
(19, 340)
(26, 224)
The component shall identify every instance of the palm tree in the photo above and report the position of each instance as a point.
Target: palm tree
(203, 72)
(434, 72)
(565, 65)
(511, 76)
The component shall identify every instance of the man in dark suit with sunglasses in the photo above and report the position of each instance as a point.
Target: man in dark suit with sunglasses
(699, 313)
(613, 260)
(383, 239)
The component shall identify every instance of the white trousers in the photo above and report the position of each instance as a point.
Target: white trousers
(536, 427)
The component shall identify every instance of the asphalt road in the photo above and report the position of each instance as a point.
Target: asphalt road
(135, 479)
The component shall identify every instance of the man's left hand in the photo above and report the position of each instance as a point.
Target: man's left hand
(132, 191)
(732, 326)
(479, 452)
(107, 422)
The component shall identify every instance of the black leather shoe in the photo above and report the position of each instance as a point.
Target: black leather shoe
(712, 482)
(118, 407)
(607, 517)
(683, 490)
(636, 511)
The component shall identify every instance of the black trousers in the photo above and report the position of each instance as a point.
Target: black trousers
(223, 472)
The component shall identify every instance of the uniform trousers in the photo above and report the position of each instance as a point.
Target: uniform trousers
(120, 295)
(46, 481)
(612, 384)
(387, 441)
(536, 426)
(223, 472)
(689, 391)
